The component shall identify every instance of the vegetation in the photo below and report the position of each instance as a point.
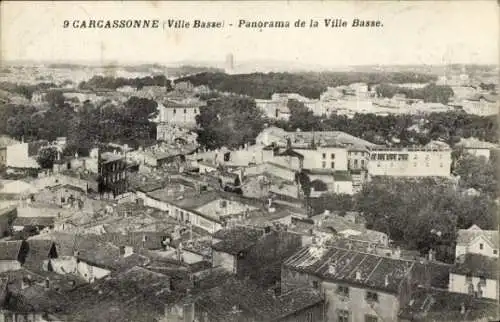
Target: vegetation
(423, 214)
(25, 90)
(259, 85)
(396, 130)
(47, 157)
(230, 121)
(430, 93)
(84, 128)
(112, 83)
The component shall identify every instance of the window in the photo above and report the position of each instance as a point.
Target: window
(324, 155)
(371, 296)
(495, 252)
(343, 316)
(332, 156)
(333, 165)
(310, 317)
(175, 111)
(356, 163)
(415, 157)
(315, 284)
(468, 278)
(481, 246)
(362, 163)
(381, 157)
(403, 157)
(343, 290)
(374, 156)
(391, 157)
(370, 318)
(323, 164)
(184, 111)
(482, 280)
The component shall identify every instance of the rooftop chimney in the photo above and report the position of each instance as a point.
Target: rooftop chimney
(386, 280)
(358, 275)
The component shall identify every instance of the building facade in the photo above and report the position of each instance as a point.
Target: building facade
(410, 162)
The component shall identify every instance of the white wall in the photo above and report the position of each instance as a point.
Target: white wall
(10, 265)
(459, 284)
(16, 153)
(179, 116)
(322, 158)
(417, 163)
(477, 246)
(343, 187)
(224, 260)
(479, 152)
(175, 212)
(89, 272)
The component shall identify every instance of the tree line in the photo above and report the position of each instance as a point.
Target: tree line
(25, 90)
(395, 130)
(311, 85)
(417, 214)
(430, 93)
(112, 83)
(83, 126)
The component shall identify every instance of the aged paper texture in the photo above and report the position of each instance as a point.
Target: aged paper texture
(249, 161)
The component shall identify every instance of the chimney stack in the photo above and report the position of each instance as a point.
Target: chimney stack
(358, 275)
(386, 280)
(47, 283)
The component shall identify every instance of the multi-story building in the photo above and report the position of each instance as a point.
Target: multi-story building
(481, 104)
(476, 275)
(180, 114)
(474, 240)
(112, 169)
(277, 110)
(477, 147)
(410, 162)
(357, 286)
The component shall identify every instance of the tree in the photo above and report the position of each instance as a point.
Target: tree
(229, 121)
(301, 117)
(478, 173)
(332, 202)
(304, 181)
(46, 157)
(422, 214)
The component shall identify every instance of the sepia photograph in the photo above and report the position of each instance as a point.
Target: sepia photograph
(249, 161)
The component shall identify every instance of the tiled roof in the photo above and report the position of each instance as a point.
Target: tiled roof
(478, 266)
(38, 251)
(441, 305)
(134, 295)
(9, 250)
(239, 299)
(237, 239)
(465, 236)
(352, 267)
(33, 221)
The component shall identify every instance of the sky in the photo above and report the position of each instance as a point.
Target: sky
(416, 32)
